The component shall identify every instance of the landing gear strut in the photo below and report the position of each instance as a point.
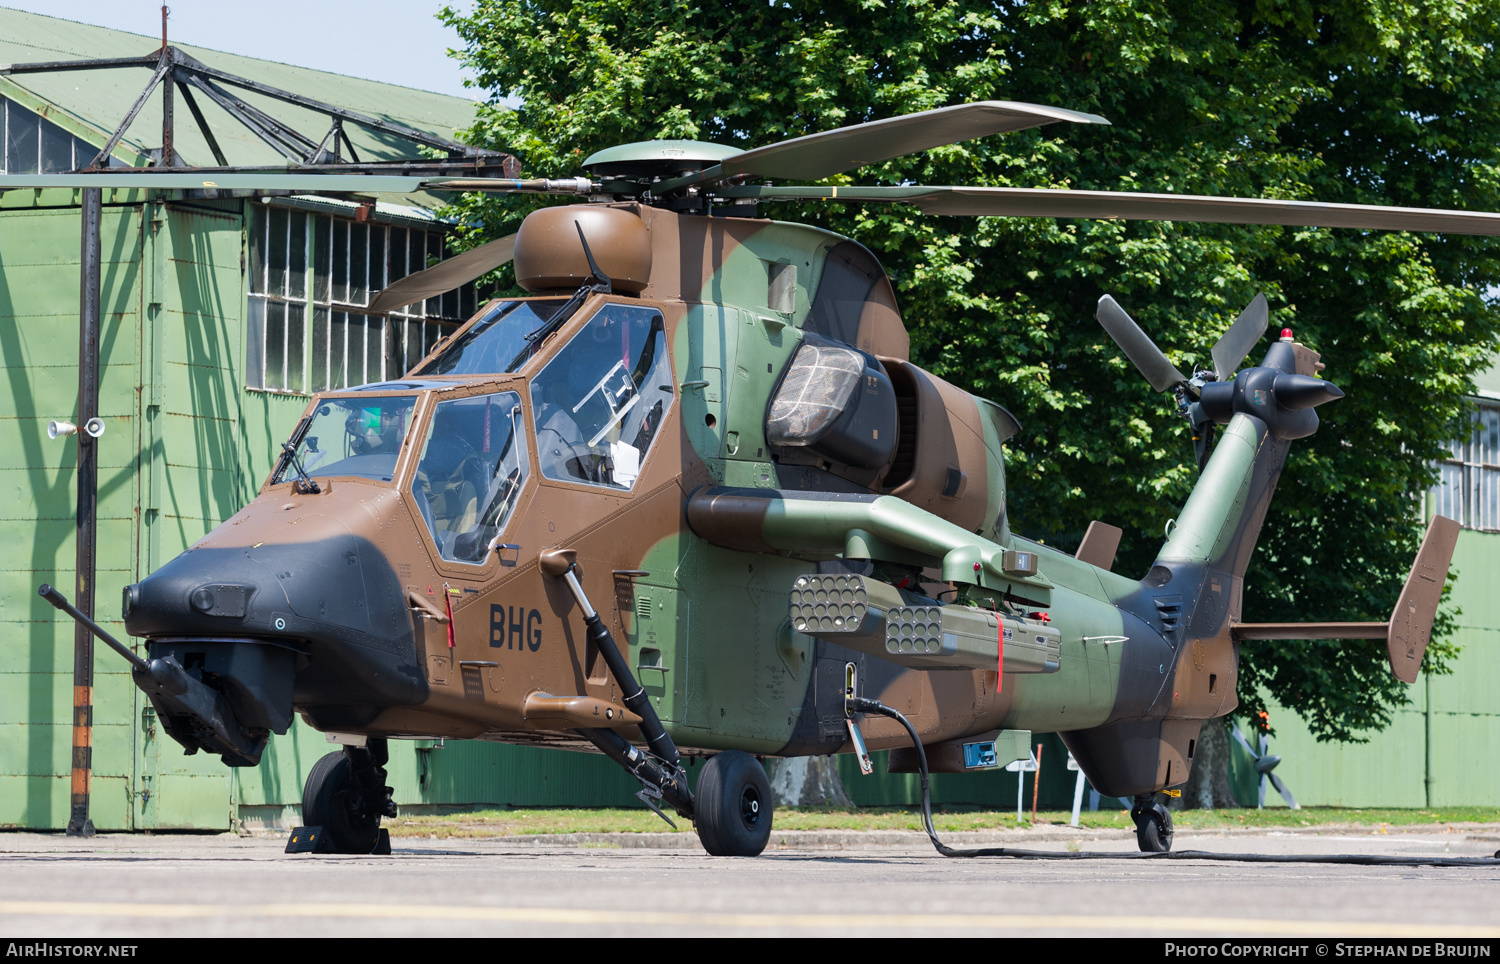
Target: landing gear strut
(660, 767)
(1153, 825)
(344, 798)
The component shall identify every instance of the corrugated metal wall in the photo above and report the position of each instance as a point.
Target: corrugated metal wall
(1445, 758)
(425, 775)
(39, 257)
(186, 446)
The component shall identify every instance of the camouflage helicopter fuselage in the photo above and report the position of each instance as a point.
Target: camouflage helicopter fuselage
(363, 607)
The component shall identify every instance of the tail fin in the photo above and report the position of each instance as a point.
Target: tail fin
(1409, 629)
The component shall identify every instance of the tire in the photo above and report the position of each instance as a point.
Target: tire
(325, 803)
(732, 807)
(1153, 832)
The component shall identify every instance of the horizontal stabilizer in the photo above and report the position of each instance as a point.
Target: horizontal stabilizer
(1410, 626)
(1310, 630)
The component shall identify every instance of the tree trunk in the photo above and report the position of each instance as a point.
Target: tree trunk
(1207, 786)
(807, 781)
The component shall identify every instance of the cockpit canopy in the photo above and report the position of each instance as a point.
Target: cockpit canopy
(598, 406)
(503, 339)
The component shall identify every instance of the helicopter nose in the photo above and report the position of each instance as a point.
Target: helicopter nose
(269, 588)
(331, 596)
(328, 586)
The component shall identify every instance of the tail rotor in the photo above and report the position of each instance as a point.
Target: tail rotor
(1228, 353)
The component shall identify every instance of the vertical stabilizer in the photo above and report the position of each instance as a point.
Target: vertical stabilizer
(1411, 620)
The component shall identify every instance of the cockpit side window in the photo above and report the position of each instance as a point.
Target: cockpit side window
(471, 472)
(601, 401)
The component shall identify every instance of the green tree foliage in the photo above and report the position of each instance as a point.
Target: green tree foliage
(1364, 101)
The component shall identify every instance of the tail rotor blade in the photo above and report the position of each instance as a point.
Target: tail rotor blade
(1140, 349)
(1247, 329)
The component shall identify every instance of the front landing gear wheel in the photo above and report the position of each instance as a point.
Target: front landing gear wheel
(328, 800)
(732, 807)
(1153, 826)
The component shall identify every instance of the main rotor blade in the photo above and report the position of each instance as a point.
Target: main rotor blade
(268, 181)
(446, 275)
(832, 152)
(302, 182)
(1236, 343)
(1112, 205)
(1140, 349)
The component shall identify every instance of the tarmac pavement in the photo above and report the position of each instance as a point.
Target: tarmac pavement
(818, 883)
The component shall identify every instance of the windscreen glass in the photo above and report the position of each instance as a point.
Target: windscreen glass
(350, 436)
(471, 472)
(600, 402)
(495, 343)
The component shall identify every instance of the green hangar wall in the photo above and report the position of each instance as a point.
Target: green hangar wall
(186, 445)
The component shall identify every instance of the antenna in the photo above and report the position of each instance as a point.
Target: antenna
(601, 280)
(164, 12)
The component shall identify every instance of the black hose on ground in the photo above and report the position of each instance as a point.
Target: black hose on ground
(861, 705)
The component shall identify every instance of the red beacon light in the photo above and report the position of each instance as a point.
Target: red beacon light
(1286, 334)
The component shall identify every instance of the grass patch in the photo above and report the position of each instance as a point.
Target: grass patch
(511, 823)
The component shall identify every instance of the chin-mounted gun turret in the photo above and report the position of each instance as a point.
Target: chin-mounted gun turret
(194, 714)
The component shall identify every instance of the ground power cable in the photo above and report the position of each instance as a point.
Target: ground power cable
(861, 705)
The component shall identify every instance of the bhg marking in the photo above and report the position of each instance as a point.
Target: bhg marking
(515, 627)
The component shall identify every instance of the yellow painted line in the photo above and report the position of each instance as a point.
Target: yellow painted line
(1259, 927)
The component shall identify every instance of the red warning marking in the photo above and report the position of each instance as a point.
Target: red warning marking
(448, 601)
(1000, 667)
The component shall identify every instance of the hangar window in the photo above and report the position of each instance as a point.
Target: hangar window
(312, 277)
(34, 145)
(1468, 488)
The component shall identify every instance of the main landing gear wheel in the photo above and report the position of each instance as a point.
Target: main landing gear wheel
(329, 800)
(732, 807)
(1153, 826)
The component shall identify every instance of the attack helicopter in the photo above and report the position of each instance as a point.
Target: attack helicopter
(691, 498)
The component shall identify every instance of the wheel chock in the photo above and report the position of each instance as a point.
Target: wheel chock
(309, 840)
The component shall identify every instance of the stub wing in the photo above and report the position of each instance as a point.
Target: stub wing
(1409, 629)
